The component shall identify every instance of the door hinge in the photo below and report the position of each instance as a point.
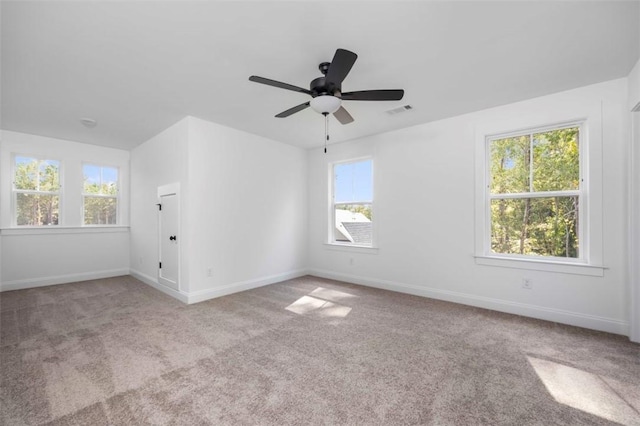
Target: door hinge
(159, 206)
(160, 266)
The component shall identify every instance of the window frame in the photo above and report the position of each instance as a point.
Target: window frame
(15, 191)
(84, 195)
(565, 110)
(581, 193)
(332, 205)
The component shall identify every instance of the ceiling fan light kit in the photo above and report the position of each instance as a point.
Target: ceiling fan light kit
(325, 104)
(326, 91)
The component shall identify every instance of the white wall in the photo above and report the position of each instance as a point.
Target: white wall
(33, 258)
(243, 208)
(424, 213)
(161, 160)
(247, 212)
(68, 252)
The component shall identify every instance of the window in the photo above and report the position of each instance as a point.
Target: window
(352, 203)
(36, 191)
(100, 195)
(535, 191)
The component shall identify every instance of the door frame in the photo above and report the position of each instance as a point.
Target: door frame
(634, 231)
(164, 190)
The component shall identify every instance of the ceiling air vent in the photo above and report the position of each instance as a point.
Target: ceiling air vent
(403, 108)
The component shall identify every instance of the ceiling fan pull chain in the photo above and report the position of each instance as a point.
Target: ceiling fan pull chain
(326, 130)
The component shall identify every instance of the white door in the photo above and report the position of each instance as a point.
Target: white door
(168, 272)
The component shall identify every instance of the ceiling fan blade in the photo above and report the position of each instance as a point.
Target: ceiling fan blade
(279, 84)
(340, 66)
(373, 95)
(293, 110)
(343, 116)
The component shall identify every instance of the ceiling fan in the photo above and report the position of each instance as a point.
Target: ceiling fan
(326, 91)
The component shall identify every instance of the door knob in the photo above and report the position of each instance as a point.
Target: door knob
(172, 238)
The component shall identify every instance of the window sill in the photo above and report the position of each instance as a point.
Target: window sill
(54, 229)
(351, 248)
(542, 265)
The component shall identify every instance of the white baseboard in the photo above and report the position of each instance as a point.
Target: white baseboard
(211, 293)
(60, 279)
(592, 322)
(153, 282)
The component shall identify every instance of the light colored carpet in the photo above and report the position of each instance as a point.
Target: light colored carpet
(305, 351)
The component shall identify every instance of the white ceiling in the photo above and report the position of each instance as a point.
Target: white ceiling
(138, 67)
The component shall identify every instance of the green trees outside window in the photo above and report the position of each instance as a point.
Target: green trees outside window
(534, 193)
(36, 187)
(37, 192)
(100, 195)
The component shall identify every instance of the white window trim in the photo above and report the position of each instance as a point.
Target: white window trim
(15, 192)
(590, 192)
(51, 230)
(580, 192)
(332, 211)
(117, 196)
(352, 248)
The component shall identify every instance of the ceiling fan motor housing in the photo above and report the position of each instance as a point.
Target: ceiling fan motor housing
(320, 86)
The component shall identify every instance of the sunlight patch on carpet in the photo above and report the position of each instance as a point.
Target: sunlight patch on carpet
(582, 390)
(305, 304)
(316, 304)
(331, 295)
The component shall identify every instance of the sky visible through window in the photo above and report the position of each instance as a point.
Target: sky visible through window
(99, 175)
(354, 181)
(43, 163)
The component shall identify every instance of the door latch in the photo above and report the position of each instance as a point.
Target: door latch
(172, 238)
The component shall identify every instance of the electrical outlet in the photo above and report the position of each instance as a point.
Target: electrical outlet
(351, 261)
(527, 283)
(209, 272)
